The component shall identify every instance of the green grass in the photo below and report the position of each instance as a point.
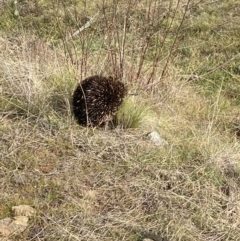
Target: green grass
(96, 184)
(133, 114)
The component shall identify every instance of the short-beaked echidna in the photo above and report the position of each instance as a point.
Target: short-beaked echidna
(96, 99)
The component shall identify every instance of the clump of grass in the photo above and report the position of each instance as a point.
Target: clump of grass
(34, 82)
(133, 114)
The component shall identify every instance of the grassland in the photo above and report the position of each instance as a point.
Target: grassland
(181, 60)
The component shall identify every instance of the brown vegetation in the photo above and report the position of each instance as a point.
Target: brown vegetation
(180, 60)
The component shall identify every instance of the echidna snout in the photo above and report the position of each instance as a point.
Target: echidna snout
(96, 99)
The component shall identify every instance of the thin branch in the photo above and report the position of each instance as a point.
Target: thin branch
(86, 25)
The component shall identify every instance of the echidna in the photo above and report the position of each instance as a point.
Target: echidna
(96, 99)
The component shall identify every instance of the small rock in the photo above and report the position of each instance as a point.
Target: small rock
(6, 221)
(156, 138)
(10, 226)
(18, 225)
(23, 210)
(4, 230)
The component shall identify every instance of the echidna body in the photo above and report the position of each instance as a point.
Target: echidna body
(96, 99)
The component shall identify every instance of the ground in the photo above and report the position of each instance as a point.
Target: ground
(181, 64)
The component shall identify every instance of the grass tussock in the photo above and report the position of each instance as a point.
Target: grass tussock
(35, 81)
(133, 114)
(96, 184)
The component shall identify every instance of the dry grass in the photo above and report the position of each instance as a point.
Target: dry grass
(94, 184)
